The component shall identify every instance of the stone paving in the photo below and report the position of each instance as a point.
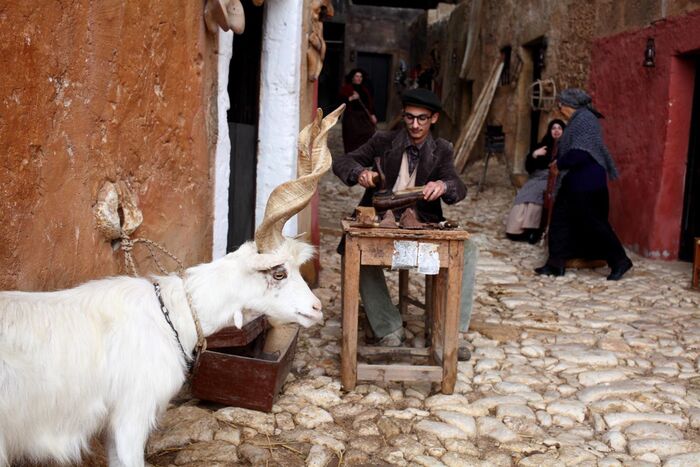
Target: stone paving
(574, 370)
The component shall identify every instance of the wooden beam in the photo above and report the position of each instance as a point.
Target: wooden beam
(399, 372)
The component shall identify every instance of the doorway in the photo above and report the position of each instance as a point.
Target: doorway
(331, 79)
(537, 50)
(242, 116)
(377, 67)
(690, 224)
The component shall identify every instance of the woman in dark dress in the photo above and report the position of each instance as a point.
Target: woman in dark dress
(580, 226)
(358, 119)
(525, 218)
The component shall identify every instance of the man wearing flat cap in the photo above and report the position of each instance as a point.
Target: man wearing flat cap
(409, 157)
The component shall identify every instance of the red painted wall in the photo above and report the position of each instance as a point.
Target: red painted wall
(647, 126)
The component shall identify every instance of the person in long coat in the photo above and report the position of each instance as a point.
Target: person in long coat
(359, 121)
(580, 214)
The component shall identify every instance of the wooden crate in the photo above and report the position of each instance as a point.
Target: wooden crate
(250, 376)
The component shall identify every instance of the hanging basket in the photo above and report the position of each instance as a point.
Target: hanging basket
(543, 93)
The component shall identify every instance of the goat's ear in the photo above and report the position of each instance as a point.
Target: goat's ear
(265, 261)
(238, 318)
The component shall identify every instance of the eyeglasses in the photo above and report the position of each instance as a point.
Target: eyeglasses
(422, 118)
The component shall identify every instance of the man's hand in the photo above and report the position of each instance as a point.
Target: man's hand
(373, 119)
(366, 178)
(434, 190)
(354, 96)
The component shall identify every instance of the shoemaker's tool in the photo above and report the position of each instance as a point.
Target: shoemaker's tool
(385, 199)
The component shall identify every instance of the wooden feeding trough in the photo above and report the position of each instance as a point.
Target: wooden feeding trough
(245, 367)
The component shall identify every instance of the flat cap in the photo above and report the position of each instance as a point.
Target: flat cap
(421, 97)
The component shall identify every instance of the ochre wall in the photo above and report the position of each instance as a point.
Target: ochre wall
(568, 28)
(647, 128)
(95, 91)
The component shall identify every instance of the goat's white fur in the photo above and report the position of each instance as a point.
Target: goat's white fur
(101, 357)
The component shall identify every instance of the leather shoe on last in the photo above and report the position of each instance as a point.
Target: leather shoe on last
(548, 270)
(620, 269)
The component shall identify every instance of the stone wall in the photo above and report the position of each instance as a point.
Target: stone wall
(94, 92)
(379, 30)
(515, 24)
(569, 28)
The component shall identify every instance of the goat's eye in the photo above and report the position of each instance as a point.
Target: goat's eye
(279, 273)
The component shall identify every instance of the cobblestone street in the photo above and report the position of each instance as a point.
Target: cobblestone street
(574, 370)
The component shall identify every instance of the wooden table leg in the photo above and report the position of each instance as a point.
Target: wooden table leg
(438, 315)
(428, 309)
(403, 292)
(350, 294)
(451, 317)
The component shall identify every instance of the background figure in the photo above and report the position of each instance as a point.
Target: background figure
(359, 122)
(525, 218)
(580, 226)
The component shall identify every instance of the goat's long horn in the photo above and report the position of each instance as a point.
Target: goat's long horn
(290, 197)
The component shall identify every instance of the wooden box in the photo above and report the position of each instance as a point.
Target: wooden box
(245, 369)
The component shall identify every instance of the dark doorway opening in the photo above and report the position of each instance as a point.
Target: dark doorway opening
(690, 226)
(537, 50)
(377, 67)
(332, 74)
(244, 91)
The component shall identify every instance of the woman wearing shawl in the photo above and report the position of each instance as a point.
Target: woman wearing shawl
(358, 119)
(580, 224)
(525, 218)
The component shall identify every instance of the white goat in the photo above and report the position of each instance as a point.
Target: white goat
(101, 357)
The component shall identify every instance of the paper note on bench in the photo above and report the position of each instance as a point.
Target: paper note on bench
(405, 255)
(428, 259)
(409, 255)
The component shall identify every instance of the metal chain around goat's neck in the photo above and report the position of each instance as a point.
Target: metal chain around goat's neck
(127, 246)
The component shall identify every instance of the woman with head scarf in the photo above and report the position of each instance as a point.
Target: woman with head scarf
(580, 226)
(359, 120)
(525, 218)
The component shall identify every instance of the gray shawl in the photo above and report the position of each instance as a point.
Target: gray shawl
(584, 132)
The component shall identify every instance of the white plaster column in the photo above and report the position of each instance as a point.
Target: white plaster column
(222, 163)
(278, 127)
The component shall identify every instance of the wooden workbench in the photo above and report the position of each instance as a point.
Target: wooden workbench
(375, 246)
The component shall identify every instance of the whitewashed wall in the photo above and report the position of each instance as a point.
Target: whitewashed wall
(223, 148)
(279, 101)
(278, 127)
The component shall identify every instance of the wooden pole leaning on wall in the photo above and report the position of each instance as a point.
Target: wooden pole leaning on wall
(470, 132)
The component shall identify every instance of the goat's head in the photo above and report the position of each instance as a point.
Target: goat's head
(275, 286)
(273, 261)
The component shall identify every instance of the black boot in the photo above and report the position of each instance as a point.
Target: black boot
(533, 236)
(548, 270)
(521, 237)
(619, 270)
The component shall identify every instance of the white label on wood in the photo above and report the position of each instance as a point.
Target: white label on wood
(428, 259)
(405, 255)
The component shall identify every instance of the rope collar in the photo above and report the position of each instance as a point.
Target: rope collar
(127, 246)
(189, 359)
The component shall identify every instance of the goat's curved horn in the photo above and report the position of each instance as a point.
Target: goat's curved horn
(290, 197)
